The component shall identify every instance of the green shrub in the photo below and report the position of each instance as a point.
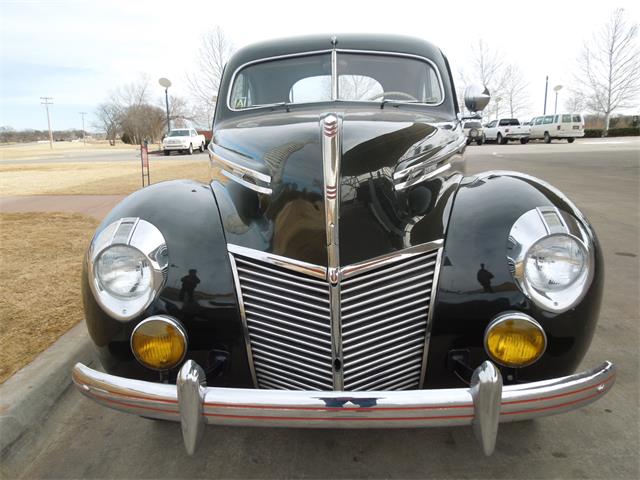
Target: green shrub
(593, 132)
(623, 132)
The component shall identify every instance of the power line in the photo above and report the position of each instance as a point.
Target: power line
(46, 101)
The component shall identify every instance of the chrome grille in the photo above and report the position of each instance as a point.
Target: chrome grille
(384, 323)
(288, 321)
(384, 315)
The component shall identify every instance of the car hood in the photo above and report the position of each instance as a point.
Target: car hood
(383, 152)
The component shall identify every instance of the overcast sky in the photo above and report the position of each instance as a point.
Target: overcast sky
(76, 51)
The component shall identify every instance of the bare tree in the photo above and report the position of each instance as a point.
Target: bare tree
(609, 67)
(215, 49)
(487, 68)
(108, 116)
(575, 101)
(135, 93)
(514, 90)
(358, 87)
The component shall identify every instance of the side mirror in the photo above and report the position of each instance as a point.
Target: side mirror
(476, 98)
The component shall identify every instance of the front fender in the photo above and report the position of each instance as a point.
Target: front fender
(187, 214)
(484, 210)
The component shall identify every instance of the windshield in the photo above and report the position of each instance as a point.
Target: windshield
(178, 133)
(360, 77)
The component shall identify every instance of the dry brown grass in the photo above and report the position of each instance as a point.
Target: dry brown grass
(40, 260)
(43, 150)
(95, 178)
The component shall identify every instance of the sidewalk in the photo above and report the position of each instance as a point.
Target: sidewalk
(93, 205)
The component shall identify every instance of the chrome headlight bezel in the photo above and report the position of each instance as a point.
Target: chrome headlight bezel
(143, 238)
(548, 223)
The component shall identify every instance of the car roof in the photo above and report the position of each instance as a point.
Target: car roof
(314, 43)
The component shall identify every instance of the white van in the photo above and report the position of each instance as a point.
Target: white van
(561, 125)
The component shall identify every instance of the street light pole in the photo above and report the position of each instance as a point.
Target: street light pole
(166, 83)
(556, 89)
(46, 101)
(84, 141)
(546, 87)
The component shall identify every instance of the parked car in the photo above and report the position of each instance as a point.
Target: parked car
(473, 131)
(557, 126)
(504, 130)
(183, 140)
(346, 273)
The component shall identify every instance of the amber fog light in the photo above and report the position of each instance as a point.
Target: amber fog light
(159, 342)
(515, 340)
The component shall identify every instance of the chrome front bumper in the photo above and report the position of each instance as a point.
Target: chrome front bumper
(483, 405)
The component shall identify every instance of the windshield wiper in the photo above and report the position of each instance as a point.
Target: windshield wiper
(397, 102)
(287, 105)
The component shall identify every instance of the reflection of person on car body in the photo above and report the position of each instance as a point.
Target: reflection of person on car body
(484, 277)
(189, 284)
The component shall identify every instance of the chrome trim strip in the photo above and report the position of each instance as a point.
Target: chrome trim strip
(237, 167)
(423, 176)
(331, 128)
(364, 409)
(244, 183)
(334, 73)
(432, 303)
(284, 262)
(383, 260)
(243, 316)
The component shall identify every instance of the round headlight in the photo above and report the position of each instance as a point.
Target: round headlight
(515, 340)
(159, 342)
(555, 263)
(124, 272)
(127, 267)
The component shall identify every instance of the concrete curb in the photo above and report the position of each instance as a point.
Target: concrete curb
(26, 397)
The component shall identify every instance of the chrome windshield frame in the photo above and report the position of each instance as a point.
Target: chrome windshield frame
(334, 52)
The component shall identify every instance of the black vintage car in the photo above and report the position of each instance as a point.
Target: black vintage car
(346, 273)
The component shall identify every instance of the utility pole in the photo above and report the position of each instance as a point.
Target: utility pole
(46, 101)
(83, 139)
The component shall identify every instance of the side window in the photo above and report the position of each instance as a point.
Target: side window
(577, 118)
(548, 119)
(539, 120)
(491, 124)
(556, 119)
(566, 118)
(504, 122)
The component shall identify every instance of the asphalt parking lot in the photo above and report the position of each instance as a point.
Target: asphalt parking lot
(83, 440)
